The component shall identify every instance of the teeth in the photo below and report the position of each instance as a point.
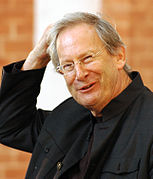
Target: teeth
(87, 86)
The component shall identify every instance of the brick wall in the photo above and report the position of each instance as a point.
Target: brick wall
(16, 17)
(134, 20)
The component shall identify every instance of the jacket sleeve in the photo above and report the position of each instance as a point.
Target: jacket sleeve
(20, 121)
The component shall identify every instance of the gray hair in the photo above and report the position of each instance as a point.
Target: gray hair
(104, 29)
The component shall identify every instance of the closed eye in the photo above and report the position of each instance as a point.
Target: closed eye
(68, 66)
(88, 59)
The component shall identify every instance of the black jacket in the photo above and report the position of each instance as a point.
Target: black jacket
(58, 139)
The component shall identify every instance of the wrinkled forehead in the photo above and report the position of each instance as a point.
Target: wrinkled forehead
(76, 28)
(77, 41)
(77, 33)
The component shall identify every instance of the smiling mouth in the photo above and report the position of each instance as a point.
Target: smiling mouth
(87, 87)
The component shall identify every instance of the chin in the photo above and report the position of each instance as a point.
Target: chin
(87, 103)
(87, 100)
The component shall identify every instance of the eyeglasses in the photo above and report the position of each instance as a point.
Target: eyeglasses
(86, 62)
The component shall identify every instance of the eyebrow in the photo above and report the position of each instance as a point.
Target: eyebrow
(84, 54)
(91, 51)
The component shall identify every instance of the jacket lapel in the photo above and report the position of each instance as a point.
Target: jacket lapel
(77, 150)
(70, 126)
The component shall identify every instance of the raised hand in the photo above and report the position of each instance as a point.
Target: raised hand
(38, 57)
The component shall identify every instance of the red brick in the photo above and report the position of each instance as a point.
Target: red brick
(15, 173)
(16, 31)
(24, 28)
(24, 157)
(18, 46)
(137, 32)
(4, 29)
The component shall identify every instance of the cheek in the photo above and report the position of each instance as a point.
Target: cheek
(69, 82)
(104, 76)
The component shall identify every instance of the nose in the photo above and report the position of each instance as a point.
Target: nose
(80, 72)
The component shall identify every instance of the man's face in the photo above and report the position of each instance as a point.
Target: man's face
(93, 86)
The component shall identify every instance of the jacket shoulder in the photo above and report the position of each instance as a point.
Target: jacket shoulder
(68, 113)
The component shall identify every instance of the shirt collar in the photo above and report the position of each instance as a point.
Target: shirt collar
(124, 99)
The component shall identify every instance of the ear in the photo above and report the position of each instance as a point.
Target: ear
(120, 58)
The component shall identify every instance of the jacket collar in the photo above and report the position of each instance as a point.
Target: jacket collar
(124, 99)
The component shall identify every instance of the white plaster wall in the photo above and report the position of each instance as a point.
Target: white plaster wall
(53, 87)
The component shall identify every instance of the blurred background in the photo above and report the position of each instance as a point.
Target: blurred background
(22, 24)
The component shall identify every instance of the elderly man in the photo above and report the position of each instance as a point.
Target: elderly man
(105, 131)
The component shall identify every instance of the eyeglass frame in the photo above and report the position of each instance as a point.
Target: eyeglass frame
(60, 70)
